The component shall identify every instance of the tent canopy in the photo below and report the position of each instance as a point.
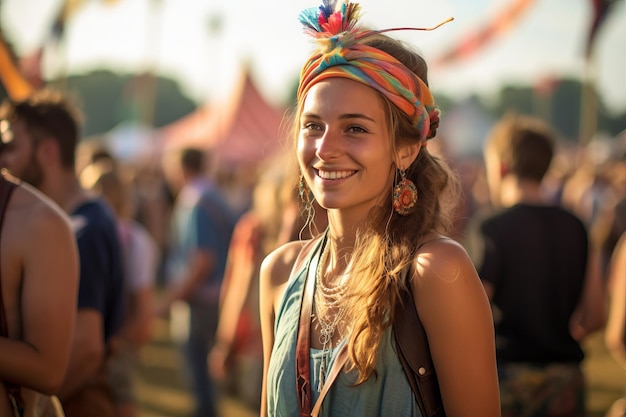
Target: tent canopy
(244, 129)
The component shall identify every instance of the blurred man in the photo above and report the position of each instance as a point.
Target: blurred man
(38, 285)
(140, 259)
(44, 135)
(534, 259)
(202, 225)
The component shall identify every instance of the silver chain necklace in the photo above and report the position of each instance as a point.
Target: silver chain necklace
(327, 298)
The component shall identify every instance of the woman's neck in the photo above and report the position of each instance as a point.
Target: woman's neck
(341, 230)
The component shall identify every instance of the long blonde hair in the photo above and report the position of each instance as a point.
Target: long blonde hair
(386, 244)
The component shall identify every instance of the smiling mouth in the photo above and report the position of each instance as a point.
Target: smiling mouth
(334, 175)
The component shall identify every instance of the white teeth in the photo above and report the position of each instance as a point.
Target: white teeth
(334, 175)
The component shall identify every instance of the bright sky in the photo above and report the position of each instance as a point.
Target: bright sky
(174, 38)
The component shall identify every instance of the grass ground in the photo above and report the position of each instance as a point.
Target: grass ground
(162, 391)
(161, 388)
(606, 379)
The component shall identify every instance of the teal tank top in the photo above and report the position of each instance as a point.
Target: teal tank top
(387, 393)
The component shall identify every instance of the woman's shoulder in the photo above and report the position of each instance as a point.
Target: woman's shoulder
(278, 264)
(440, 245)
(284, 254)
(440, 258)
(446, 287)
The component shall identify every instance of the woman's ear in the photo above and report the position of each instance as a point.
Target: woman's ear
(407, 154)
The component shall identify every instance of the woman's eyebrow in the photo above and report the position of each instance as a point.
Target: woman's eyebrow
(356, 116)
(310, 115)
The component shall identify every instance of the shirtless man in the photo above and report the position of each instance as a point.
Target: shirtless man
(45, 131)
(39, 278)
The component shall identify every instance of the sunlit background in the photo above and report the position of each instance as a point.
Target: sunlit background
(200, 43)
(544, 57)
(204, 45)
(153, 74)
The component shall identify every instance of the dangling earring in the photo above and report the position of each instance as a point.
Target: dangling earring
(404, 195)
(304, 192)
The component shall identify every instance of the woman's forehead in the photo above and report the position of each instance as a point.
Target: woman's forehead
(343, 96)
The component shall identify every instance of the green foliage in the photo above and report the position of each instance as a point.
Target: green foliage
(560, 106)
(108, 99)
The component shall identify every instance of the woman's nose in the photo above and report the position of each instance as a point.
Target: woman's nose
(329, 145)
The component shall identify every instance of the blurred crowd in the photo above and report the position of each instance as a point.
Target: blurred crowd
(588, 182)
(192, 238)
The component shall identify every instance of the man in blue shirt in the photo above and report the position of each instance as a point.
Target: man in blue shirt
(41, 151)
(202, 225)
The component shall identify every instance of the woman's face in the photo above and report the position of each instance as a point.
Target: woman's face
(344, 149)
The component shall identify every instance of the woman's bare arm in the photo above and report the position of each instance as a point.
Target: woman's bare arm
(456, 314)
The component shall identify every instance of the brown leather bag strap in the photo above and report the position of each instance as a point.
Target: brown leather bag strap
(340, 361)
(303, 357)
(303, 345)
(303, 365)
(414, 354)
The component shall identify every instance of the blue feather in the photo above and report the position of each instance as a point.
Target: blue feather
(309, 18)
(328, 7)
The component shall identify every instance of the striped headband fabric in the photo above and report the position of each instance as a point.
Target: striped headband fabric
(342, 54)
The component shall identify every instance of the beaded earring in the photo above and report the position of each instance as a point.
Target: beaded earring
(304, 192)
(404, 195)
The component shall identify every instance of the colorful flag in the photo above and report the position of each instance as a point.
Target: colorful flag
(15, 83)
(499, 24)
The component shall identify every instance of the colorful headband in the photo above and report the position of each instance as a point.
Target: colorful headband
(341, 53)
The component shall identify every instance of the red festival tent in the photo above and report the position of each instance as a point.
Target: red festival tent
(244, 129)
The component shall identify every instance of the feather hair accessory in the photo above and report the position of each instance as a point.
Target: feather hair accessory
(330, 19)
(336, 17)
(343, 52)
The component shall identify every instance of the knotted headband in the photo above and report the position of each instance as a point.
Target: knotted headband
(342, 53)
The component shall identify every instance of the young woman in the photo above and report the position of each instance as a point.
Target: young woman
(363, 118)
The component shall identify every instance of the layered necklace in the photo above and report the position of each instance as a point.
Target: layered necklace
(329, 312)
